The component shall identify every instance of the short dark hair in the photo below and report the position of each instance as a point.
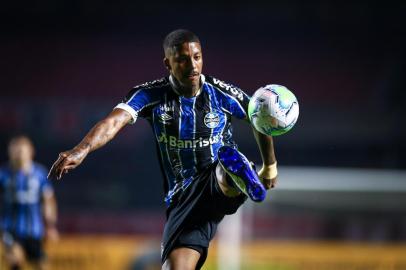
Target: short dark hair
(178, 37)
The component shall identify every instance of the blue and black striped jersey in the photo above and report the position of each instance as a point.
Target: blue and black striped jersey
(188, 131)
(22, 195)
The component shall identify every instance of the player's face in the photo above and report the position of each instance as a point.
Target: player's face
(20, 152)
(185, 63)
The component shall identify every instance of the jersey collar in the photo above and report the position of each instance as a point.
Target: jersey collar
(175, 87)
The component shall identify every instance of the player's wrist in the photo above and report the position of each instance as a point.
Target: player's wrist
(270, 166)
(269, 171)
(50, 223)
(83, 149)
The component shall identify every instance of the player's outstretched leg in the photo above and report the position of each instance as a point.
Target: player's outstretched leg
(241, 172)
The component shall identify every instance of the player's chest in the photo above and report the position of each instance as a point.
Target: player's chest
(188, 113)
(22, 188)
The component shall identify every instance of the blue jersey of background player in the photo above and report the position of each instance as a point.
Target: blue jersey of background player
(28, 206)
(206, 178)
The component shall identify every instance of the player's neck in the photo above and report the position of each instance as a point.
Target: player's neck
(24, 166)
(187, 92)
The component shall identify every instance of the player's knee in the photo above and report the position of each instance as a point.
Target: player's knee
(177, 265)
(14, 255)
(170, 264)
(182, 259)
(41, 265)
(15, 267)
(220, 175)
(225, 186)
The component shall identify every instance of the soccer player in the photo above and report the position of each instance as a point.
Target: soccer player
(205, 175)
(29, 206)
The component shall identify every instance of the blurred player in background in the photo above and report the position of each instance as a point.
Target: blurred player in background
(29, 210)
(205, 175)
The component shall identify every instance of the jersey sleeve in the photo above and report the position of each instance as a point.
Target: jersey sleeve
(141, 97)
(232, 99)
(134, 103)
(45, 184)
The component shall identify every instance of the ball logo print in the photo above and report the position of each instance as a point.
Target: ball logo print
(273, 110)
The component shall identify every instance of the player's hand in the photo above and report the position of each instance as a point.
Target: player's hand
(265, 174)
(51, 234)
(66, 161)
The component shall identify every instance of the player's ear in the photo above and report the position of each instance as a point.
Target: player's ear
(167, 64)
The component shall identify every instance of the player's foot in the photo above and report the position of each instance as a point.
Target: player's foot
(241, 172)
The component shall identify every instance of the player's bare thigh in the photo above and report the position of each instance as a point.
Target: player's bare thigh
(228, 190)
(182, 258)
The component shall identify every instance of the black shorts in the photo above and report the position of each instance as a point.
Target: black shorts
(32, 247)
(193, 218)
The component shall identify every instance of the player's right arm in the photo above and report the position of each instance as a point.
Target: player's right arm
(99, 135)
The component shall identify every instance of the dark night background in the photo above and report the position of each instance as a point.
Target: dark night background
(66, 64)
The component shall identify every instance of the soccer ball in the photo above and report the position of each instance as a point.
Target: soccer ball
(273, 110)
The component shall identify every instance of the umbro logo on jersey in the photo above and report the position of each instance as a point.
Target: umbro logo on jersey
(164, 111)
(165, 117)
(212, 120)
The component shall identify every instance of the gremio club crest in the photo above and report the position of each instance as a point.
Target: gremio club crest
(212, 120)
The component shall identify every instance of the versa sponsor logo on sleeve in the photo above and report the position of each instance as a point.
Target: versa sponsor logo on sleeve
(233, 90)
(189, 144)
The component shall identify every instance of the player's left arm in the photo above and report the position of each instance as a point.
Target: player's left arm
(235, 101)
(268, 173)
(50, 214)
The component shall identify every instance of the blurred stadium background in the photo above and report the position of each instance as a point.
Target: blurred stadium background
(340, 202)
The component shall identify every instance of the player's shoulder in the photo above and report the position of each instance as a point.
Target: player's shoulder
(152, 85)
(40, 169)
(225, 87)
(5, 172)
(4, 168)
(149, 89)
